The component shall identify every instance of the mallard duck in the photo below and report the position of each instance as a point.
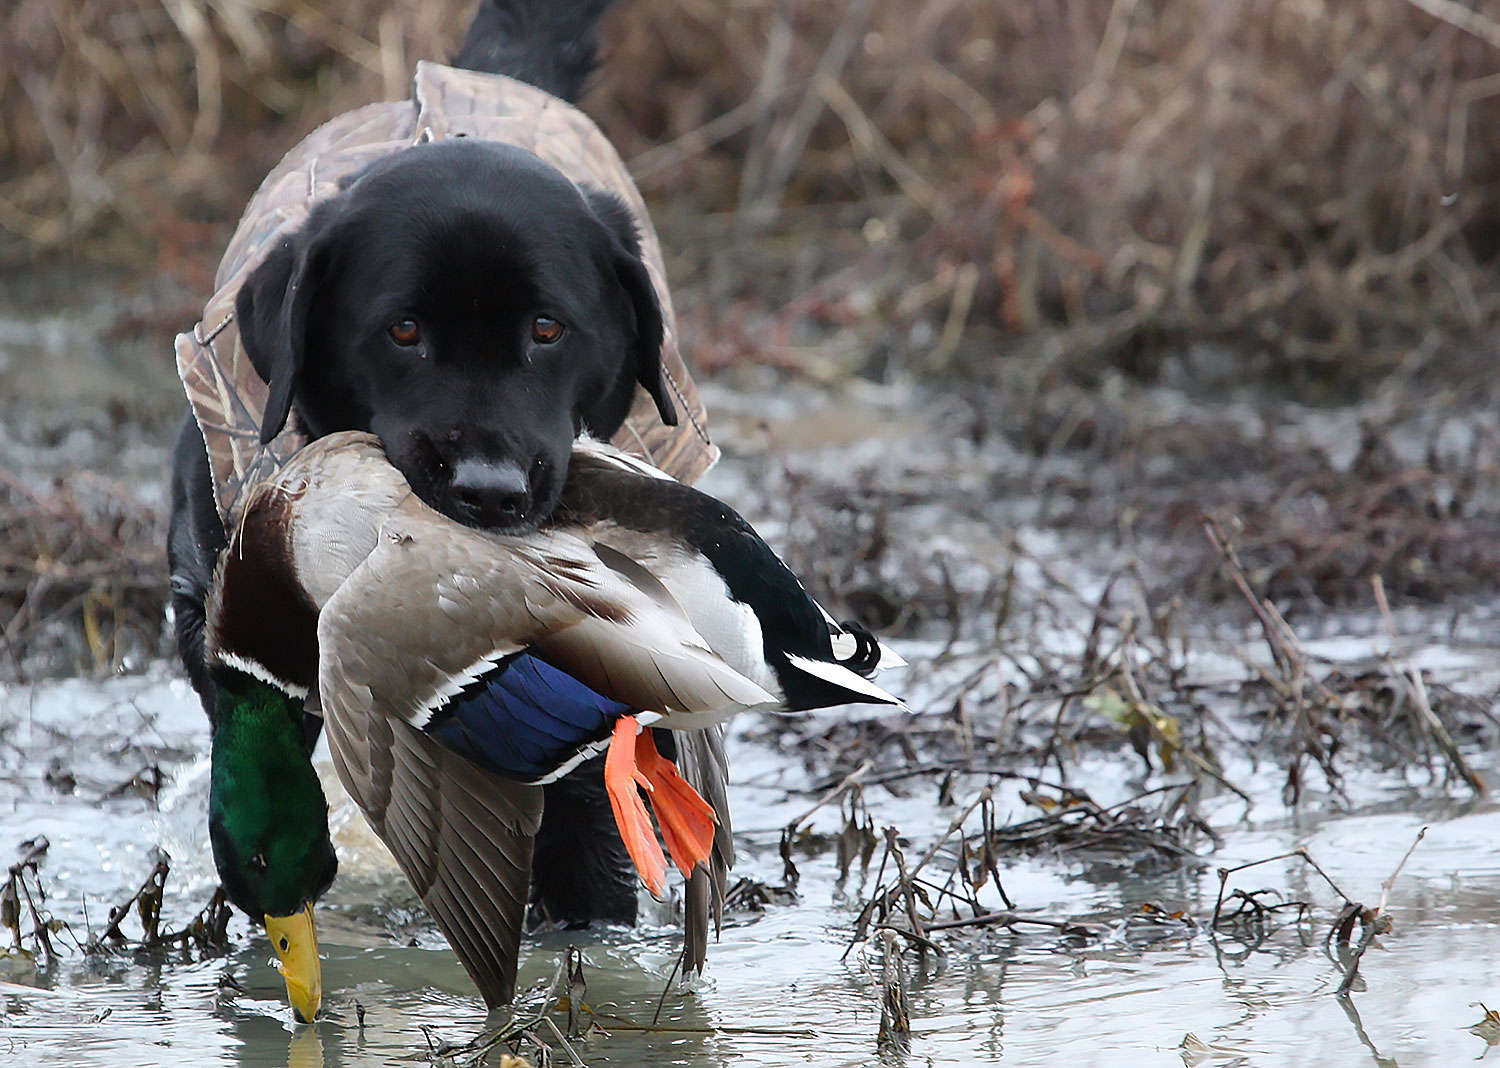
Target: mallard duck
(457, 670)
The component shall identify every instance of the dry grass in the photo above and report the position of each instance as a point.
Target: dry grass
(1292, 176)
(1270, 173)
(1282, 174)
(131, 124)
(82, 578)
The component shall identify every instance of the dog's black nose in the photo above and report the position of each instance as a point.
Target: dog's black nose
(491, 494)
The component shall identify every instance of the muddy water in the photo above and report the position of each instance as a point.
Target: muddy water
(785, 985)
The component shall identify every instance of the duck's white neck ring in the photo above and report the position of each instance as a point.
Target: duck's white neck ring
(256, 670)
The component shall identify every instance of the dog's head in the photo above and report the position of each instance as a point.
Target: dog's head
(473, 308)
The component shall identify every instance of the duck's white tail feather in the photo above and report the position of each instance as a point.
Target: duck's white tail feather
(860, 688)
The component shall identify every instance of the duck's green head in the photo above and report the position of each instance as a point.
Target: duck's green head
(268, 822)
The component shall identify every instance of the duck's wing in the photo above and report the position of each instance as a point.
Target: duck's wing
(461, 834)
(392, 643)
(705, 765)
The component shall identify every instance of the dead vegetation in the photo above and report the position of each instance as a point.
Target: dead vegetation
(131, 125)
(919, 908)
(38, 938)
(929, 180)
(1319, 502)
(1038, 664)
(1252, 916)
(82, 578)
(1035, 685)
(1304, 184)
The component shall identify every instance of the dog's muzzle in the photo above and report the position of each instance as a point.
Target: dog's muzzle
(491, 494)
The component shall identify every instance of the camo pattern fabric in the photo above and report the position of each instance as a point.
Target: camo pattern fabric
(228, 396)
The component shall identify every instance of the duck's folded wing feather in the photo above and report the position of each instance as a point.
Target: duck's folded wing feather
(663, 669)
(461, 834)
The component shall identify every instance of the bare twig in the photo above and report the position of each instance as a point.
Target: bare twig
(1465, 18)
(147, 899)
(1416, 689)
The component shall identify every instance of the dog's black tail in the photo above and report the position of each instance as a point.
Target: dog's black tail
(552, 44)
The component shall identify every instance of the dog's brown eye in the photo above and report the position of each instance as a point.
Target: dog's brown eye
(545, 330)
(405, 332)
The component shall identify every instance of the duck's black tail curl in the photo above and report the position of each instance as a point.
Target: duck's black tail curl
(551, 44)
(866, 656)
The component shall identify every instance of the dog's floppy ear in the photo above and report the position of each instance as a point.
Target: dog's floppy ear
(648, 334)
(272, 308)
(634, 279)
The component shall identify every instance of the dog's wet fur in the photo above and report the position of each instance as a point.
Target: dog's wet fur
(422, 303)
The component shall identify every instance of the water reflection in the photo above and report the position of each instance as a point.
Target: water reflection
(1347, 1004)
(306, 1049)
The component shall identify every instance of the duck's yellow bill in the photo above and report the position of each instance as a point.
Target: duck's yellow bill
(296, 940)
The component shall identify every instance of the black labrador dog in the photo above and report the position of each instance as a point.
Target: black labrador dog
(476, 310)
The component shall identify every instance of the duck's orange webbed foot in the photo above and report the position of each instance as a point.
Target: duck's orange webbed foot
(621, 777)
(687, 821)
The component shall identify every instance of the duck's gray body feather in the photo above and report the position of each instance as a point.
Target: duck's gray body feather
(434, 606)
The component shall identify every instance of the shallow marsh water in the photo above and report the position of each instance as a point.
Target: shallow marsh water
(779, 989)
(784, 986)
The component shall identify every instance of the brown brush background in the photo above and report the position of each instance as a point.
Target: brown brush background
(1317, 182)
